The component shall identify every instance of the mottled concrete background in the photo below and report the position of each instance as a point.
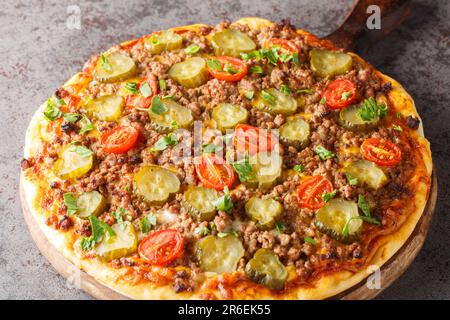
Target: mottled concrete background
(38, 52)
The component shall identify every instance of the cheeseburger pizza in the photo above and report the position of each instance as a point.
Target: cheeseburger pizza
(243, 161)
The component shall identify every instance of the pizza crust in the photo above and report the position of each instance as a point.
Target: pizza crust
(327, 286)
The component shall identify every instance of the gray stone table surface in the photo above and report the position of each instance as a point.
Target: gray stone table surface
(38, 52)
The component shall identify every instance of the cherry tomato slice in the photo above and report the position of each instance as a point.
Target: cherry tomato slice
(161, 247)
(381, 151)
(309, 193)
(339, 94)
(214, 172)
(138, 100)
(238, 66)
(286, 45)
(120, 139)
(253, 140)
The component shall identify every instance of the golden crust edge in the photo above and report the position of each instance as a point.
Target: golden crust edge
(327, 286)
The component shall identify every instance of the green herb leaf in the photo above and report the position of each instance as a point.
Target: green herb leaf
(305, 91)
(119, 217)
(345, 95)
(328, 196)
(271, 55)
(363, 205)
(345, 230)
(145, 90)
(396, 127)
(106, 65)
(310, 240)
(295, 59)
(267, 97)
(100, 231)
(147, 223)
(280, 226)
(323, 153)
(202, 231)
(249, 94)
(323, 101)
(157, 106)
(256, 69)
(81, 150)
(52, 112)
(299, 168)
(352, 180)
(162, 84)
(224, 203)
(230, 69)
(71, 117)
(214, 64)
(210, 148)
(86, 125)
(71, 203)
(251, 55)
(244, 169)
(132, 87)
(228, 233)
(285, 89)
(164, 142)
(371, 109)
(192, 49)
(285, 57)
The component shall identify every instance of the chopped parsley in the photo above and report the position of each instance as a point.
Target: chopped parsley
(249, 94)
(323, 101)
(52, 112)
(210, 148)
(280, 226)
(371, 110)
(267, 97)
(351, 179)
(202, 231)
(132, 87)
(346, 95)
(81, 150)
(323, 153)
(86, 125)
(147, 223)
(224, 203)
(396, 127)
(363, 205)
(230, 69)
(256, 69)
(285, 89)
(164, 142)
(228, 233)
(106, 65)
(192, 49)
(157, 106)
(119, 217)
(305, 91)
(100, 231)
(162, 84)
(310, 240)
(299, 168)
(328, 196)
(145, 90)
(71, 117)
(244, 169)
(70, 202)
(214, 64)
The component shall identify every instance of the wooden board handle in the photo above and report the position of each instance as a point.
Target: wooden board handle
(354, 33)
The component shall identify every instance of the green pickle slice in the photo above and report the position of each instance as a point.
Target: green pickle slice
(116, 67)
(331, 220)
(267, 168)
(367, 173)
(175, 116)
(219, 255)
(122, 244)
(190, 73)
(164, 41)
(231, 43)
(90, 203)
(227, 115)
(326, 63)
(348, 118)
(265, 268)
(264, 211)
(295, 132)
(155, 184)
(274, 101)
(199, 202)
(106, 108)
(71, 164)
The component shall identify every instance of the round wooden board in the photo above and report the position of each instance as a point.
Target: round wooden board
(390, 271)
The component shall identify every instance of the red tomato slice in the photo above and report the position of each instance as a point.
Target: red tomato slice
(138, 100)
(214, 172)
(253, 140)
(286, 45)
(309, 193)
(234, 63)
(161, 247)
(120, 139)
(381, 151)
(339, 94)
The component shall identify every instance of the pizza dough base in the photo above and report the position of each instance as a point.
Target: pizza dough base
(327, 286)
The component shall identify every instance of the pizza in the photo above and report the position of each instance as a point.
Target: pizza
(248, 160)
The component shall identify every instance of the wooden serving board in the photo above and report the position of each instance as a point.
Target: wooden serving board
(390, 271)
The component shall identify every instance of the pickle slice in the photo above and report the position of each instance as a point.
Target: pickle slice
(328, 63)
(264, 211)
(231, 43)
(331, 220)
(106, 108)
(175, 116)
(267, 168)
(120, 245)
(155, 184)
(274, 101)
(367, 172)
(190, 73)
(348, 118)
(199, 202)
(295, 132)
(116, 67)
(219, 255)
(227, 115)
(164, 41)
(72, 164)
(266, 269)
(90, 203)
